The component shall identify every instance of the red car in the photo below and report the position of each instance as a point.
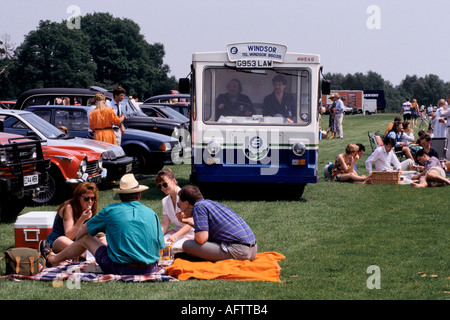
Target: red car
(23, 172)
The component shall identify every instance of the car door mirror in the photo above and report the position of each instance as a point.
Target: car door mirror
(184, 85)
(326, 87)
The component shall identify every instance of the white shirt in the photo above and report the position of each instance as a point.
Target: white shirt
(382, 160)
(446, 113)
(439, 128)
(170, 211)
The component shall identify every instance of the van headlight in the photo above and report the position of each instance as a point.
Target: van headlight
(299, 149)
(213, 148)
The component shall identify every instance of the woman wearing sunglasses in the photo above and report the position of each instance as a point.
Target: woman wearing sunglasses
(165, 181)
(71, 215)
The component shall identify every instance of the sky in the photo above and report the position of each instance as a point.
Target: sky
(393, 38)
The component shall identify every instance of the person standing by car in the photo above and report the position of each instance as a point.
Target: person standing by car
(338, 115)
(118, 96)
(102, 119)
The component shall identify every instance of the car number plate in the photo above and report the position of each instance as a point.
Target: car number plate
(31, 180)
(254, 64)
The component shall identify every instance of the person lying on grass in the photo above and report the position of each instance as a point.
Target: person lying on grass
(344, 166)
(432, 175)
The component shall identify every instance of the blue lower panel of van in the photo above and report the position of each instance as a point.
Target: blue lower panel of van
(281, 169)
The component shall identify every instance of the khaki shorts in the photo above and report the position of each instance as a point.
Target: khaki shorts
(438, 169)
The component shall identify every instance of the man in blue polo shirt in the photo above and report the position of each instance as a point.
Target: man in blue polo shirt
(220, 233)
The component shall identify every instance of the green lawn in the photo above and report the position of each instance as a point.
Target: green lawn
(330, 237)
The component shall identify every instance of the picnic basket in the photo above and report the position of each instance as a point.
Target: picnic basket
(385, 177)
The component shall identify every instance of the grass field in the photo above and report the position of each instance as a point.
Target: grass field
(330, 237)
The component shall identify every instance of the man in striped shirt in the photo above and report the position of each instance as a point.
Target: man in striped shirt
(219, 232)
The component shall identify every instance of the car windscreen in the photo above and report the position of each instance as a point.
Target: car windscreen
(129, 109)
(175, 114)
(45, 128)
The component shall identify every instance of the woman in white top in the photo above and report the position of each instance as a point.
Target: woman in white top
(165, 180)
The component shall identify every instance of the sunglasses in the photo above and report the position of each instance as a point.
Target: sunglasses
(164, 184)
(89, 198)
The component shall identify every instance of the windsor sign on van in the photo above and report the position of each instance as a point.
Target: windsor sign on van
(256, 54)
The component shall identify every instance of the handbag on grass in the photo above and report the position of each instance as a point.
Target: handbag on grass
(23, 261)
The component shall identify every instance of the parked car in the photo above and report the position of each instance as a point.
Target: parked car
(51, 96)
(70, 166)
(178, 102)
(7, 104)
(170, 98)
(347, 109)
(135, 118)
(23, 172)
(28, 124)
(150, 150)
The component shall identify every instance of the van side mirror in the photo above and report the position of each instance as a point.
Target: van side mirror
(184, 85)
(326, 87)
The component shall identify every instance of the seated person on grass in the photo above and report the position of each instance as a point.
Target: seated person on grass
(399, 135)
(344, 166)
(133, 233)
(385, 159)
(220, 233)
(425, 142)
(432, 175)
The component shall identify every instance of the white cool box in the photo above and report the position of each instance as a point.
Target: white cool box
(32, 227)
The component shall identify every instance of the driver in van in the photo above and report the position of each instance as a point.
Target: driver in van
(234, 103)
(280, 103)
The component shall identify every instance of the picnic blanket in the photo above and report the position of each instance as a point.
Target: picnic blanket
(265, 267)
(82, 271)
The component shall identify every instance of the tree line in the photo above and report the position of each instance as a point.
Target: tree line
(426, 90)
(104, 51)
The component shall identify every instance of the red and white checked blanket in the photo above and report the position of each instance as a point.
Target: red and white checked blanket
(77, 271)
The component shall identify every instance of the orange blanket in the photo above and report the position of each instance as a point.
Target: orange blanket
(265, 267)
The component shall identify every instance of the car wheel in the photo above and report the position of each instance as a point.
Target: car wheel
(52, 189)
(140, 160)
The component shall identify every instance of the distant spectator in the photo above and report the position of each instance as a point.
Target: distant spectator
(406, 110)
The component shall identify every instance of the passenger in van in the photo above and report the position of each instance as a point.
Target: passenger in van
(234, 103)
(280, 103)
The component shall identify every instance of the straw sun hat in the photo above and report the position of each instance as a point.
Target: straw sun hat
(129, 184)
